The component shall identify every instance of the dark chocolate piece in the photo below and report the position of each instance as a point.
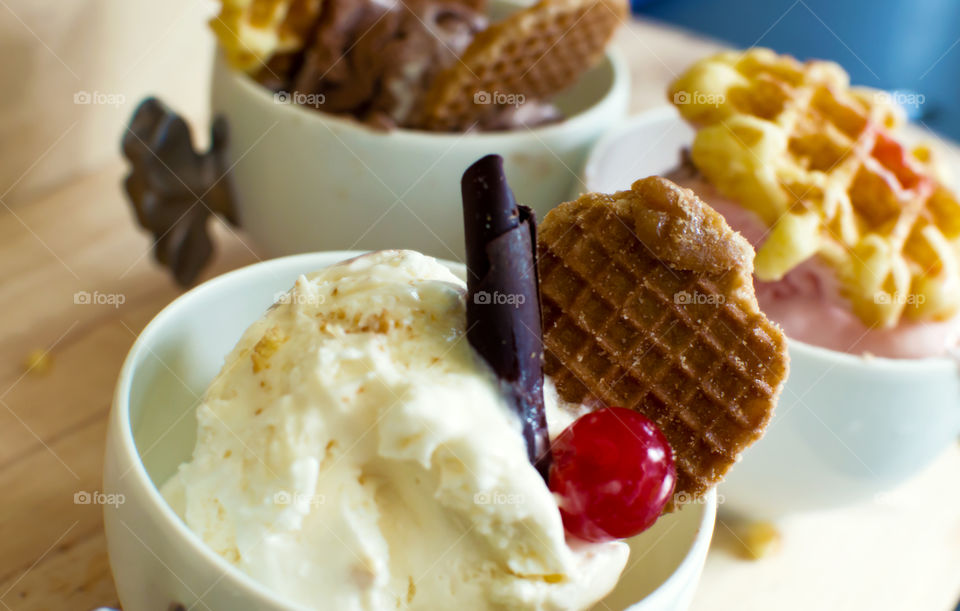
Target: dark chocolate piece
(503, 305)
(373, 62)
(174, 189)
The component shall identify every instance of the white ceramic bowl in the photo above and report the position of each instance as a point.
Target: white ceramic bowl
(846, 427)
(308, 181)
(156, 560)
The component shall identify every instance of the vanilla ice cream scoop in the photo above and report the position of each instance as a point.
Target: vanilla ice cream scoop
(356, 453)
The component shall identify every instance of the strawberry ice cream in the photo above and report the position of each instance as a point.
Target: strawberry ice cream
(807, 302)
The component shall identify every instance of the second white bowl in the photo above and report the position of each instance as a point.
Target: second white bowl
(307, 180)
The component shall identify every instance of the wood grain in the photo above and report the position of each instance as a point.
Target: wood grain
(53, 422)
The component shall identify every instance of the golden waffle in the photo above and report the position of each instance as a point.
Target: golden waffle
(648, 303)
(531, 55)
(821, 164)
(252, 31)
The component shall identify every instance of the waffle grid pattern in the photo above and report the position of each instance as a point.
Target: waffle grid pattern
(706, 373)
(822, 165)
(534, 53)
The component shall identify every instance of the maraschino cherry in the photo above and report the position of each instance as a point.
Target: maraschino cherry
(613, 472)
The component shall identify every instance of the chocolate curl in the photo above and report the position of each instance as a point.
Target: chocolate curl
(174, 189)
(503, 304)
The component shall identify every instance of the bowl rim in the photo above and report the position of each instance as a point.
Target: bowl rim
(669, 114)
(618, 90)
(693, 560)
(121, 430)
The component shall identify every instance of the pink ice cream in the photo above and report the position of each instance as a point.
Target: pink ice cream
(807, 302)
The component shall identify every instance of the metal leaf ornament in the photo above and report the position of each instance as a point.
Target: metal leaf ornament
(174, 189)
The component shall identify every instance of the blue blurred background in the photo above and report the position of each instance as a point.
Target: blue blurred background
(908, 46)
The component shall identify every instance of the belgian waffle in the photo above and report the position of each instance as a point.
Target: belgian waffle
(824, 166)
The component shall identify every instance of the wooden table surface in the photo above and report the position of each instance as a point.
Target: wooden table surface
(59, 361)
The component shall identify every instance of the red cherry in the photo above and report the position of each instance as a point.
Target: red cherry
(613, 472)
